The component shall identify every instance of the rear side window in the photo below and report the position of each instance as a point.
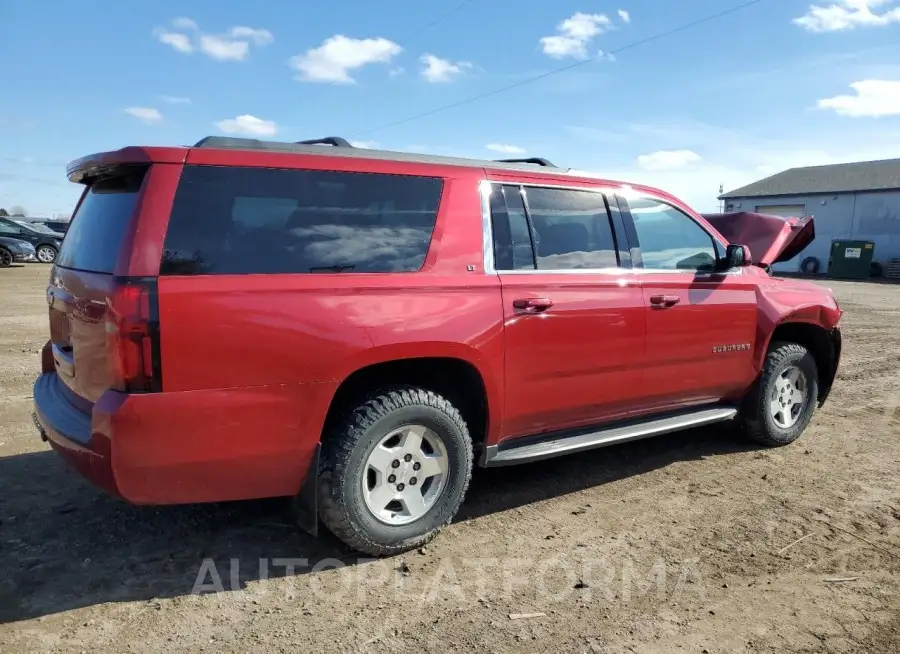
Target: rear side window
(572, 229)
(233, 220)
(97, 231)
(555, 229)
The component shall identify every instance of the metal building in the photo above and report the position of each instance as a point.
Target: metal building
(854, 201)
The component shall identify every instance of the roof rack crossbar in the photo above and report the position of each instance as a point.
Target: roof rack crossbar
(539, 161)
(336, 141)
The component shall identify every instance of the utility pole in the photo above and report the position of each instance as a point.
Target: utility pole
(721, 202)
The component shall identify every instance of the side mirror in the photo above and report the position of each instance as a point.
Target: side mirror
(737, 256)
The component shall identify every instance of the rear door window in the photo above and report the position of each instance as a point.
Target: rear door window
(98, 229)
(553, 229)
(238, 220)
(571, 229)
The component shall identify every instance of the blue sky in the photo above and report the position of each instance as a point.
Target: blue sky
(779, 84)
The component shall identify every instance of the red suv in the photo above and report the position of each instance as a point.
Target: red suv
(357, 328)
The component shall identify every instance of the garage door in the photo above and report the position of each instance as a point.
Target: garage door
(783, 210)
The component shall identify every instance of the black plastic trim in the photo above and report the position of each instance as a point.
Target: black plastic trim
(287, 147)
(620, 234)
(538, 161)
(335, 141)
(306, 502)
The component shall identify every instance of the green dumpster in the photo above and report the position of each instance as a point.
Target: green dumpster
(851, 259)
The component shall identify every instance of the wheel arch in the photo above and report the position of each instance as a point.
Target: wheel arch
(437, 366)
(454, 368)
(823, 343)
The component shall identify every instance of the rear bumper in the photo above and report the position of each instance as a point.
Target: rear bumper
(186, 447)
(70, 431)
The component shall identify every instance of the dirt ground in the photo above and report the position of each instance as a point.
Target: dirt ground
(696, 542)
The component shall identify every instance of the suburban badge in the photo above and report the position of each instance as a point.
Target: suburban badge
(717, 349)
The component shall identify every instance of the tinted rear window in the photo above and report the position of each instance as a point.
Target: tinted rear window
(232, 220)
(97, 230)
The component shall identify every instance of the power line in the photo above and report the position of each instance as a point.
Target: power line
(439, 19)
(447, 14)
(644, 41)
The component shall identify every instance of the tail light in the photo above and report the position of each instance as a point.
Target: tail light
(132, 331)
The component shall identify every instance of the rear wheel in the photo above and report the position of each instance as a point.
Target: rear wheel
(46, 254)
(394, 471)
(784, 398)
(6, 258)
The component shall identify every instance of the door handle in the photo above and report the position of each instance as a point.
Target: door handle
(664, 300)
(533, 304)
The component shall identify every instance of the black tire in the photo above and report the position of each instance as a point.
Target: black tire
(756, 418)
(810, 265)
(46, 248)
(346, 448)
(6, 258)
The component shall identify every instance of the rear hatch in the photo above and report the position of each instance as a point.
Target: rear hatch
(100, 324)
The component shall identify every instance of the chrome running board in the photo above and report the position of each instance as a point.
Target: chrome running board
(559, 444)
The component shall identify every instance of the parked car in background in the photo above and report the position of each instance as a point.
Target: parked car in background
(13, 250)
(60, 226)
(46, 242)
(357, 329)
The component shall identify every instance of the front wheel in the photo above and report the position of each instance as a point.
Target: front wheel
(784, 398)
(6, 258)
(46, 254)
(394, 471)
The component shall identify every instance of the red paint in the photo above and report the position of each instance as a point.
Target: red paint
(250, 364)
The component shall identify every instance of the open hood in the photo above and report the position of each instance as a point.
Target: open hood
(770, 238)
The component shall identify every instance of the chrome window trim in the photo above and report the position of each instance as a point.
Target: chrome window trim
(484, 189)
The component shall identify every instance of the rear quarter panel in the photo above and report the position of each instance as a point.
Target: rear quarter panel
(261, 356)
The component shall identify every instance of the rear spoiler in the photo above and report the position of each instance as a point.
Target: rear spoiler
(85, 169)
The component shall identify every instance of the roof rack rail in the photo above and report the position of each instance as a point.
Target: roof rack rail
(539, 161)
(336, 141)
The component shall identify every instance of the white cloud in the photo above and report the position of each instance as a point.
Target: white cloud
(233, 45)
(175, 99)
(574, 34)
(504, 148)
(248, 125)
(847, 15)
(338, 55)
(732, 156)
(624, 16)
(224, 49)
(183, 23)
(667, 159)
(874, 97)
(394, 72)
(437, 70)
(257, 36)
(147, 115)
(179, 41)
